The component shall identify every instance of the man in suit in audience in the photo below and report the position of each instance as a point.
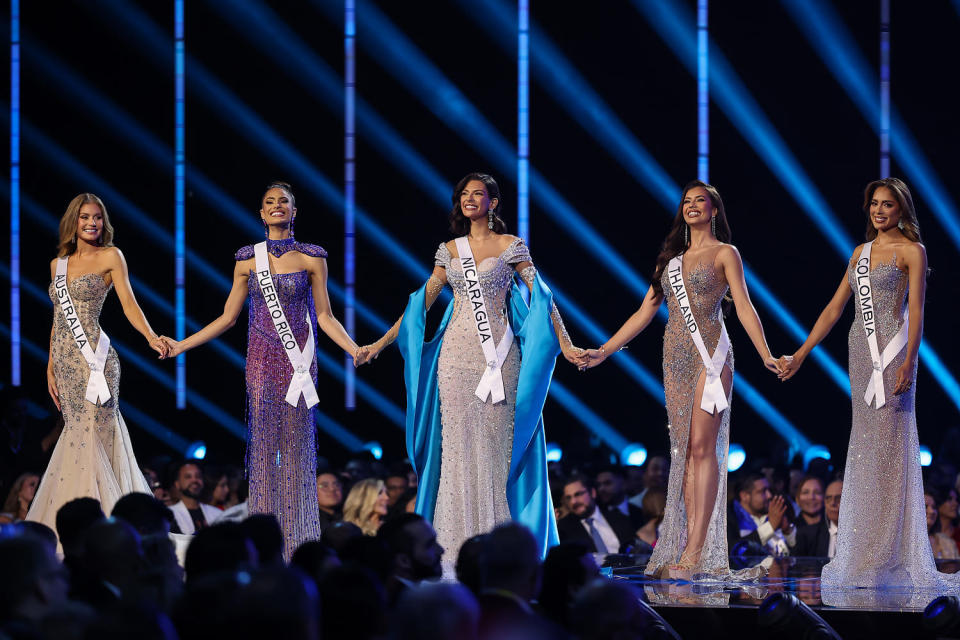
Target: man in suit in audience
(602, 532)
(191, 514)
(820, 539)
(612, 495)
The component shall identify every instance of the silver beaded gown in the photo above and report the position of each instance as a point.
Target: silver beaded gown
(477, 437)
(882, 538)
(682, 367)
(93, 457)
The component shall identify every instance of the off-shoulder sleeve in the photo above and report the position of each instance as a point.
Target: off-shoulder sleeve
(312, 250)
(442, 257)
(244, 253)
(517, 252)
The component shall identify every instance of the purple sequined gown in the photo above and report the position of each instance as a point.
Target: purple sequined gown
(281, 452)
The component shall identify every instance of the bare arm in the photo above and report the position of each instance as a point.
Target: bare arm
(231, 310)
(636, 323)
(435, 284)
(328, 323)
(732, 266)
(117, 268)
(916, 261)
(828, 318)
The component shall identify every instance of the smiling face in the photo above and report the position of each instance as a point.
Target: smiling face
(948, 508)
(810, 497)
(277, 207)
(475, 201)
(579, 500)
(884, 209)
(697, 207)
(90, 223)
(190, 481)
(381, 505)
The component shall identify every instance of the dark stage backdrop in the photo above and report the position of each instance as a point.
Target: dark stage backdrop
(83, 60)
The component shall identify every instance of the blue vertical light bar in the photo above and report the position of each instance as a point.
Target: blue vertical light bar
(884, 88)
(15, 192)
(349, 189)
(703, 94)
(179, 174)
(523, 120)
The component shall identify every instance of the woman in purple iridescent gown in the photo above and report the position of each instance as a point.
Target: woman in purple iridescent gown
(281, 456)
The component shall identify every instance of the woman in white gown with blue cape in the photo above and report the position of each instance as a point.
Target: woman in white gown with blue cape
(475, 391)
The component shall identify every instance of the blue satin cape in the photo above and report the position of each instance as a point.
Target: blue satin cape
(528, 489)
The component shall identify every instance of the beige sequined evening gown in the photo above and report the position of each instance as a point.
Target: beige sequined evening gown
(477, 436)
(882, 539)
(682, 366)
(93, 457)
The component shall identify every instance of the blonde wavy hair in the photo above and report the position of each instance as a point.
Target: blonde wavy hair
(12, 504)
(360, 503)
(68, 224)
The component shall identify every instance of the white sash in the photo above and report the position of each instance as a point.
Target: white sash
(97, 389)
(868, 316)
(491, 382)
(299, 360)
(714, 397)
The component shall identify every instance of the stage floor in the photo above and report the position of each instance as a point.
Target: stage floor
(799, 576)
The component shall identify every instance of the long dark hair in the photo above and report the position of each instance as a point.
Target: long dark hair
(676, 241)
(901, 193)
(459, 223)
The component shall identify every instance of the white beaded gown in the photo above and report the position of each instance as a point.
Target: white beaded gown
(477, 436)
(93, 457)
(882, 538)
(682, 366)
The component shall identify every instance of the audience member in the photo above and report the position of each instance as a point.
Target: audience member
(264, 532)
(608, 610)
(820, 538)
(162, 577)
(38, 530)
(610, 532)
(18, 500)
(406, 503)
(33, 583)
(809, 497)
(73, 518)
(339, 534)
(191, 514)
(314, 558)
(568, 567)
(329, 498)
(654, 508)
(216, 487)
(156, 486)
(354, 605)
(611, 495)
(239, 487)
(145, 513)
(756, 516)
(414, 552)
(223, 547)
(943, 548)
(656, 474)
(468, 563)
(112, 560)
(132, 620)
(945, 530)
(366, 505)
(396, 484)
(275, 602)
(440, 611)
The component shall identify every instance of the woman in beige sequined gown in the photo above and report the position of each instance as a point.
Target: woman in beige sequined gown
(93, 456)
(882, 538)
(477, 435)
(693, 536)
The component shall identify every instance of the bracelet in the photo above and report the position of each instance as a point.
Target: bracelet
(603, 352)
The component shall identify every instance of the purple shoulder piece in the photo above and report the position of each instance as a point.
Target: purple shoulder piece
(244, 253)
(312, 250)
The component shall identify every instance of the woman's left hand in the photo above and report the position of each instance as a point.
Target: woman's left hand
(904, 378)
(572, 354)
(158, 344)
(774, 364)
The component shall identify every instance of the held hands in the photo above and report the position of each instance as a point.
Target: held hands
(774, 364)
(368, 353)
(904, 378)
(788, 367)
(159, 344)
(171, 346)
(572, 354)
(589, 358)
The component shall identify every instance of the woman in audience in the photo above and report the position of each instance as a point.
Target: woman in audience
(366, 505)
(654, 505)
(18, 500)
(809, 498)
(944, 529)
(216, 487)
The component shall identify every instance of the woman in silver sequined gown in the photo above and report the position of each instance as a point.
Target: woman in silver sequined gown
(882, 538)
(281, 453)
(693, 536)
(93, 456)
(477, 435)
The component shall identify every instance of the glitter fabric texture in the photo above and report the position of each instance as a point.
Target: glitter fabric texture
(93, 456)
(477, 436)
(682, 367)
(281, 451)
(882, 538)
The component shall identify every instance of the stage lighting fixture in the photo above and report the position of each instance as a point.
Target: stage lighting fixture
(815, 451)
(942, 617)
(554, 452)
(736, 457)
(783, 615)
(634, 454)
(197, 450)
(926, 457)
(374, 448)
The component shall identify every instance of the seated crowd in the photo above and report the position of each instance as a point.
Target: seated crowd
(376, 571)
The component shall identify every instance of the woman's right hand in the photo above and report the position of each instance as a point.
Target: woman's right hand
(589, 358)
(368, 353)
(174, 348)
(789, 365)
(52, 388)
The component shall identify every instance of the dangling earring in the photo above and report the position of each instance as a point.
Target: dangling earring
(292, 220)
(713, 226)
(489, 218)
(686, 234)
(900, 224)
(266, 229)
